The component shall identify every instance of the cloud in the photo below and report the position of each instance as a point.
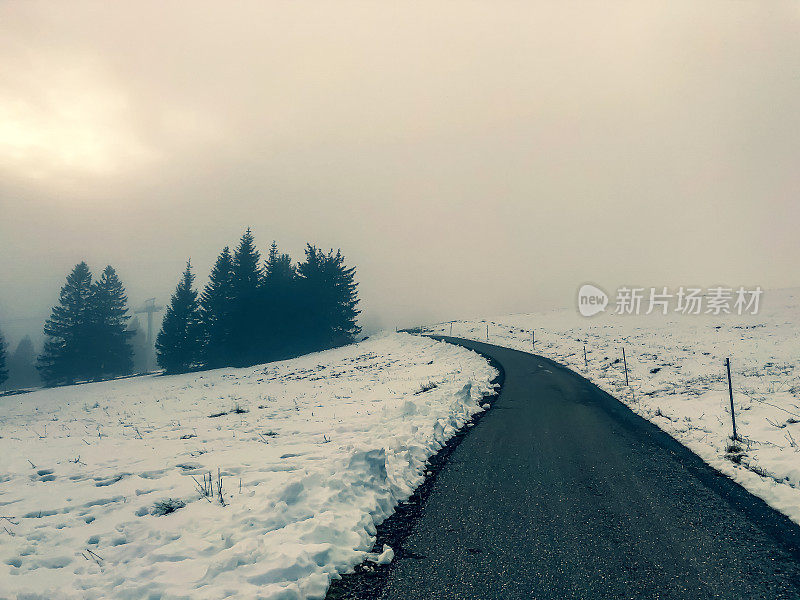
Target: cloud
(468, 160)
(64, 118)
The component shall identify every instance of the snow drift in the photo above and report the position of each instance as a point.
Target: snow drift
(102, 486)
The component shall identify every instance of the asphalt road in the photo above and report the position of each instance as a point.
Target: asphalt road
(562, 492)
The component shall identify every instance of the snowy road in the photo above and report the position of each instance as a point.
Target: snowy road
(561, 492)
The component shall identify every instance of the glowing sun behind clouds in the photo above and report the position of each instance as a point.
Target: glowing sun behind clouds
(77, 123)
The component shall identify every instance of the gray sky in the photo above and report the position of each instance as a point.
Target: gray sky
(470, 158)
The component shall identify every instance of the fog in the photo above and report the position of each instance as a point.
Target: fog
(469, 158)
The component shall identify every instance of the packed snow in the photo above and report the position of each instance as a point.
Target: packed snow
(678, 379)
(111, 490)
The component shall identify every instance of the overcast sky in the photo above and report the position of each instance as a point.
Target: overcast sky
(469, 158)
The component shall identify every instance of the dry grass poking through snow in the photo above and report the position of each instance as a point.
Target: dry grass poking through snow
(260, 482)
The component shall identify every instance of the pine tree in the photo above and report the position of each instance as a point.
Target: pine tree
(328, 296)
(178, 342)
(278, 267)
(112, 351)
(21, 366)
(344, 324)
(311, 301)
(3, 370)
(67, 353)
(216, 311)
(246, 327)
(279, 306)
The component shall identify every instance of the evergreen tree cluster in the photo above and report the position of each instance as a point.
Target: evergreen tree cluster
(86, 332)
(254, 311)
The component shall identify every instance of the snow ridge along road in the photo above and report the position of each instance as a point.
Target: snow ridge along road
(561, 492)
(100, 491)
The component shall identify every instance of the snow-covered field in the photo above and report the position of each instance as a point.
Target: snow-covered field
(678, 379)
(313, 453)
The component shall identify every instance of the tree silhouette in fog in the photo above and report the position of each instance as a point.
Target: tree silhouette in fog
(86, 332)
(178, 343)
(3, 370)
(328, 298)
(247, 309)
(67, 354)
(110, 337)
(216, 312)
(22, 366)
(248, 313)
(251, 312)
(279, 323)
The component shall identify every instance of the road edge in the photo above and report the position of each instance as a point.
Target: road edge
(368, 579)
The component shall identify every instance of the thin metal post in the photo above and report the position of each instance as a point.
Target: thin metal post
(585, 361)
(625, 362)
(451, 328)
(730, 393)
(487, 332)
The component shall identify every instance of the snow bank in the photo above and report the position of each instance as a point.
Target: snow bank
(678, 379)
(101, 483)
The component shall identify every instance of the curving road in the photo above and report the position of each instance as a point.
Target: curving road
(561, 492)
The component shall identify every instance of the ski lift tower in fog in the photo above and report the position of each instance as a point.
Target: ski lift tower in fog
(150, 308)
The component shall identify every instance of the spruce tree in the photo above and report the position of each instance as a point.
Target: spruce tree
(113, 355)
(246, 326)
(216, 311)
(344, 324)
(279, 306)
(311, 302)
(67, 355)
(328, 296)
(21, 366)
(3, 369)
(178, 342)
(278, 266)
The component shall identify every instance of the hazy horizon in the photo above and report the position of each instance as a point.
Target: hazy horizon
(468, 158)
